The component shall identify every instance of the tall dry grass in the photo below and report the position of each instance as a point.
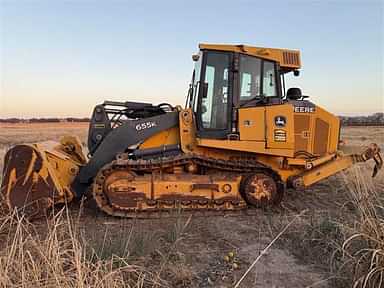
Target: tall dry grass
(348, 243)
(363, 250)
(58, 255)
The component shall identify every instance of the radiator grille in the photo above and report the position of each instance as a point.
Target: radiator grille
(301, 130)
(291, 58)
(321, 137)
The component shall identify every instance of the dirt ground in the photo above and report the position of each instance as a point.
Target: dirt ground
(208, 239)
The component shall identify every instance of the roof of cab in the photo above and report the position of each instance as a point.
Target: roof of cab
(288, 59)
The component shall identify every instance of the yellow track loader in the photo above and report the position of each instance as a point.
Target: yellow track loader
(239, 142)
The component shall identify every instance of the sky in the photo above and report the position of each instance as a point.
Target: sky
(61, 58)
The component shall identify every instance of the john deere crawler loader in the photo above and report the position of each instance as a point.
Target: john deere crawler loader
(240, 140)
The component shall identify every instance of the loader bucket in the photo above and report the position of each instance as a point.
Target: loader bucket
(38, 176)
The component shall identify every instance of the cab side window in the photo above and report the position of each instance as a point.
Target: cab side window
(257, 78)
(269, 81)
(250, 73)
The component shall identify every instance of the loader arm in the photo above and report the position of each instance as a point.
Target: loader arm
(38, 176)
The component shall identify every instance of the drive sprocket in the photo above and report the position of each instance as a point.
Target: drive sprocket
(261, 189)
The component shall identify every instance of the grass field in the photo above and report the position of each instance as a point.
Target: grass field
(335, 237)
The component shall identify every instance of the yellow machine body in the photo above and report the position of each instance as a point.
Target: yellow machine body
(267, 142)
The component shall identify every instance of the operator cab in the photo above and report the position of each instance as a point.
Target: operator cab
(229, 77)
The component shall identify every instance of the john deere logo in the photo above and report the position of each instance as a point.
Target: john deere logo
(280, 121)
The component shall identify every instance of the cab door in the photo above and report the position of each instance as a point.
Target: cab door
(213, 112)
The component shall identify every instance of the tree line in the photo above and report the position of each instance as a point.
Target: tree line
(376, 119)
(43, 120)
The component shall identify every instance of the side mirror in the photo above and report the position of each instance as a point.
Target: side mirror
(195, 57)
(294, 94)
(205, 90)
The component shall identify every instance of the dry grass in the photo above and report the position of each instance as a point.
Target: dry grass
(363, 250)
(12, 134)
(60, 256)
(349, 243)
